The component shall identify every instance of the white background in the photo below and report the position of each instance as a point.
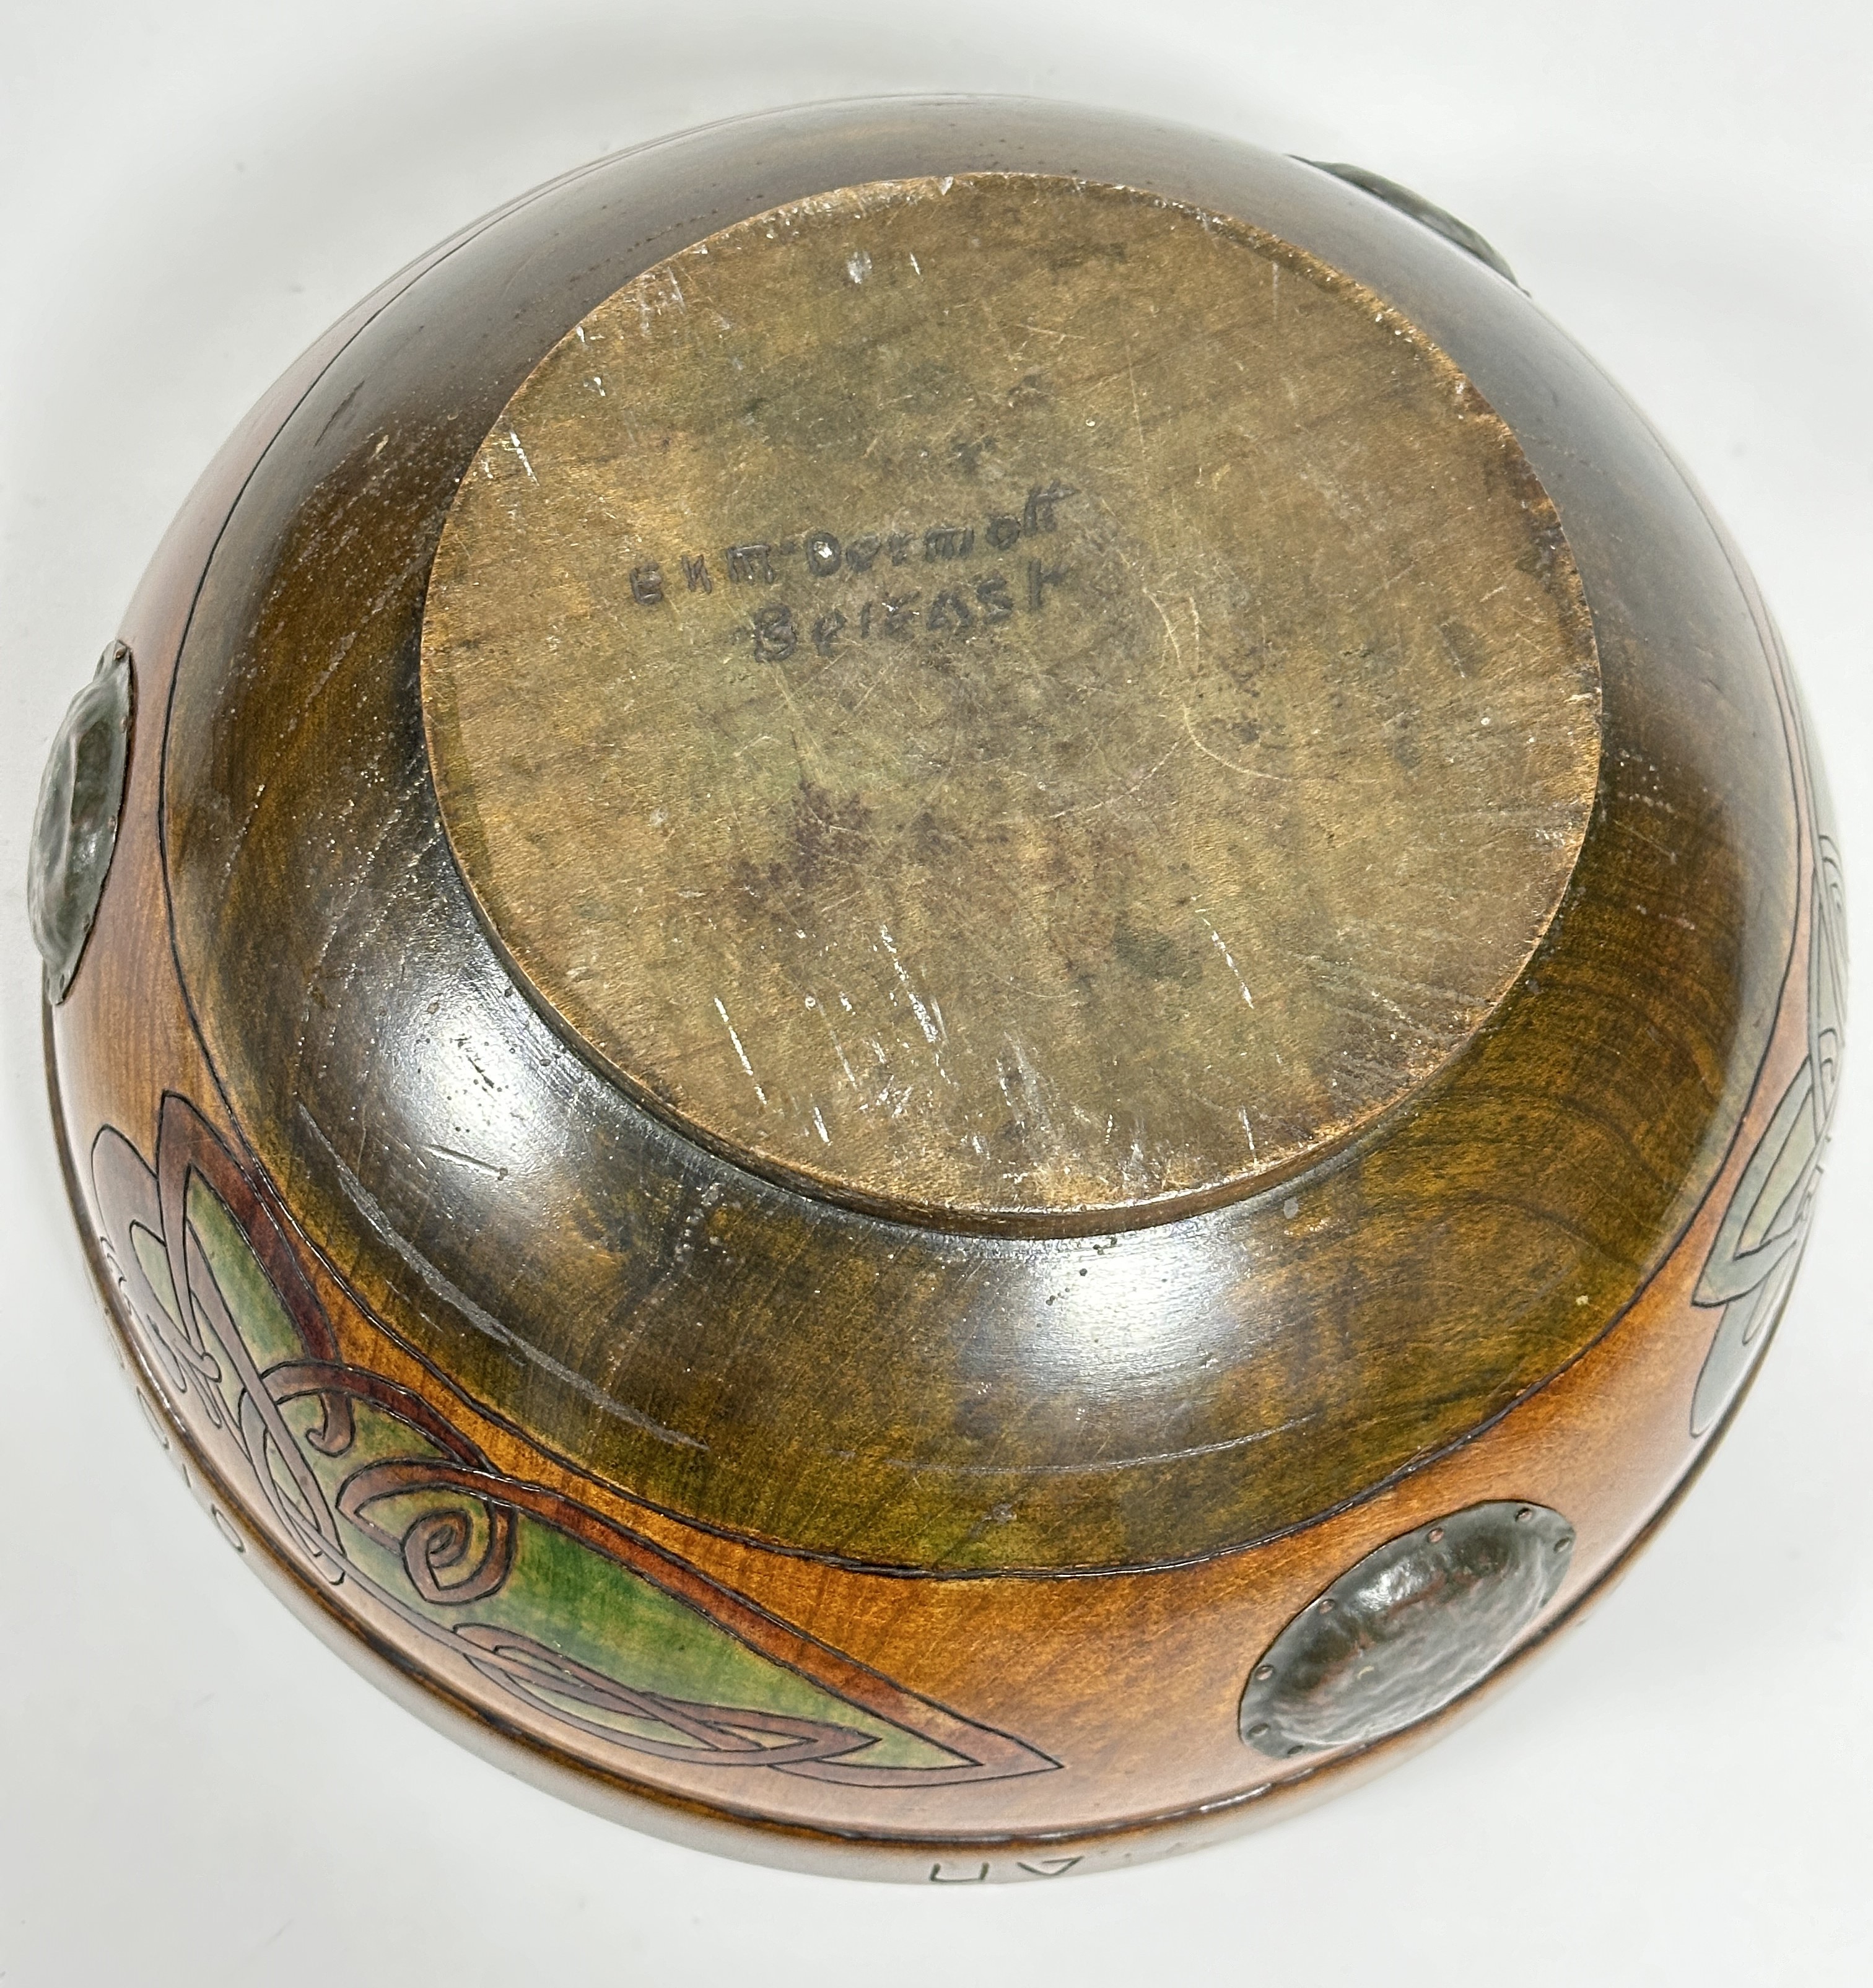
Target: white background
(192, 1790)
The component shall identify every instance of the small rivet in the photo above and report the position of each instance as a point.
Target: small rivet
(1325, 1604)
(1296, 1748)
(1264, 1672)
(1562, 1545)
(1526, 1512)
(1256, 1730)
(1436, 1533)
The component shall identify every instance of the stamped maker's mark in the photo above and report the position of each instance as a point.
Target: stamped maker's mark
(893, 608)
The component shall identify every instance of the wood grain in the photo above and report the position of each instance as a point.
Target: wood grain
(1008, 701)
(1011, 1515)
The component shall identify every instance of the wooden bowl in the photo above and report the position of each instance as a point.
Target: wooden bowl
(968, 984)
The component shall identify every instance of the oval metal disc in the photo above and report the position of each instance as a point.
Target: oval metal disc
(1413, 1625)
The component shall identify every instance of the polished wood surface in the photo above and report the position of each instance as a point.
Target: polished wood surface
(881, 1544)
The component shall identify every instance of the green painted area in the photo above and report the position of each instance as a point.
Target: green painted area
(560, 1592)
(155, 1261)
(263, 1320)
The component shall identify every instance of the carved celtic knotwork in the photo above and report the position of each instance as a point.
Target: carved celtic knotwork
(381, 1494)
(1753, 1262)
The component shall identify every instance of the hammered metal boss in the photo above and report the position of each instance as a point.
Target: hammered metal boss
(944, 982)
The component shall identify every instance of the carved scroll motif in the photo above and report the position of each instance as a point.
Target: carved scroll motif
(623, 1649)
